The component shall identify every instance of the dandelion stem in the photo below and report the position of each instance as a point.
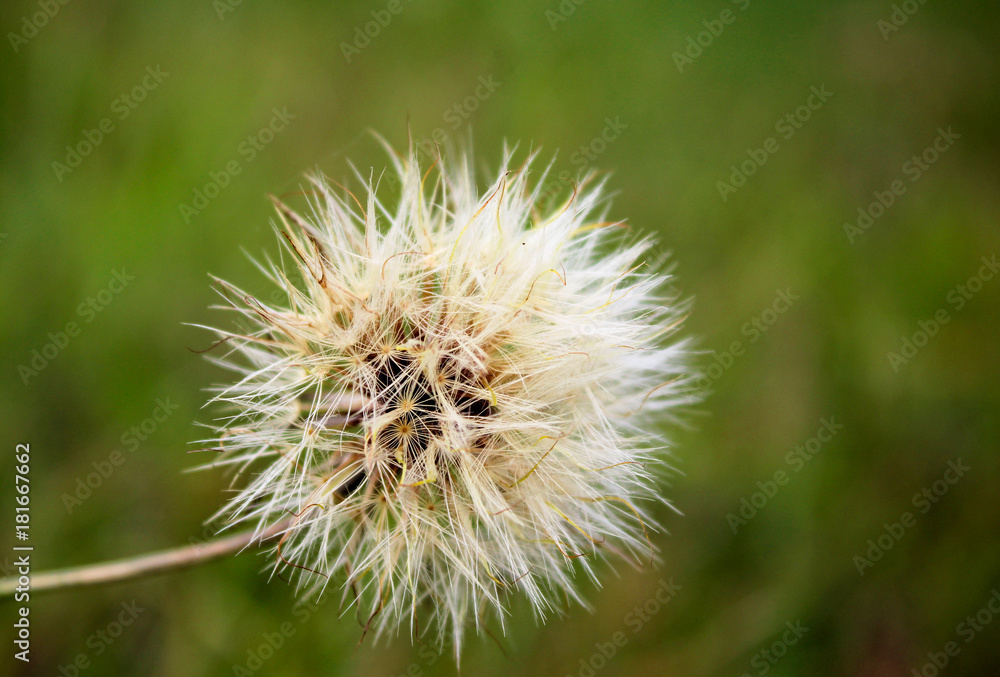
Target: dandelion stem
(141, 565)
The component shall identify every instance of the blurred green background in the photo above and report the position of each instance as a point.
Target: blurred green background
(560, 73)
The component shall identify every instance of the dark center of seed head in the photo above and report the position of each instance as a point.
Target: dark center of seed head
(402, 386)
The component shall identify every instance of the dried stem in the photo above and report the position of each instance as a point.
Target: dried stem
(142, 565)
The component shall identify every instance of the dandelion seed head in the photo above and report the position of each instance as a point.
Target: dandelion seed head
(455, 398)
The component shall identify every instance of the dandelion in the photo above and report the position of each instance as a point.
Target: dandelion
(450, 405)
(454, 399)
